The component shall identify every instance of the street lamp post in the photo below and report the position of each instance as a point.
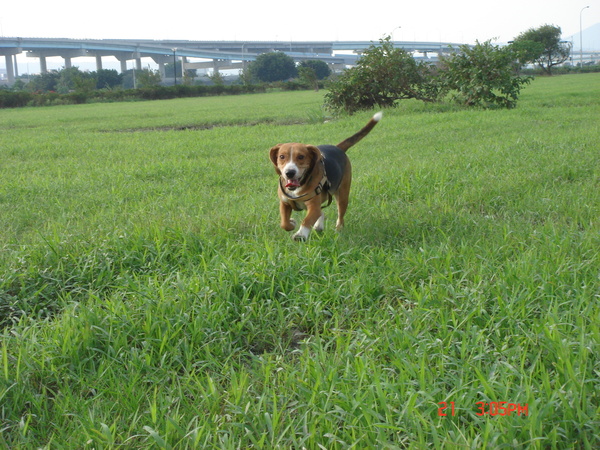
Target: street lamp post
(175, 64)
(581, 38)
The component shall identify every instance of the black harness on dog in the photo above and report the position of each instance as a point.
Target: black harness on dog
(323, 186)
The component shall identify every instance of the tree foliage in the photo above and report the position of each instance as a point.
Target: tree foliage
(320, 68)
(542, 46)
(148, 78)
(108, 78)
(73, 79)
(44, 82)
(274, 66)
(483, 75)
(309, 77)
(382, 76)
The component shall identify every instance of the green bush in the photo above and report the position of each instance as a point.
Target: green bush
(382, 76)
(483, 75)
(14, 99)
(293, 85)
(77, 97)
(10, 99)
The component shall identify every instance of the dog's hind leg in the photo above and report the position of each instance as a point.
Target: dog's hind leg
(342, 197)
(342, 205)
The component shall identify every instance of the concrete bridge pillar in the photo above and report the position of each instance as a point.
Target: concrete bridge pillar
(98, 62)
(68, 62)
(16, 66)
(43, 65)
(10, 71)
(161, 70)
(138, 63)
(216, 65)
(123, 65)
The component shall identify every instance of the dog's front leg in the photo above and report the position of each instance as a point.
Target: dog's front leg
(287, 223)
(313, 214)
(320, 225)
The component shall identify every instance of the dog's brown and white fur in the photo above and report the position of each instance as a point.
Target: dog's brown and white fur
(310, 175)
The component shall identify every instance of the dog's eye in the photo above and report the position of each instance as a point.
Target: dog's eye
(281, 156)
(300, 157)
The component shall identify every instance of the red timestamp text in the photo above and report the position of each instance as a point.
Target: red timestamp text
(487, 409)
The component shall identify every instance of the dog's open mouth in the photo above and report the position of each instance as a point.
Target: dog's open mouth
(292, 184)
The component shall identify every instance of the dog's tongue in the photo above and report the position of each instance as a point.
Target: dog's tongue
(292, 183)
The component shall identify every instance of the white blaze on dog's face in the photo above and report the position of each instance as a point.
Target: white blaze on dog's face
(293, 162)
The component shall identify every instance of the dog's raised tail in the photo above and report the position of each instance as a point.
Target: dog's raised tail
(347, 143)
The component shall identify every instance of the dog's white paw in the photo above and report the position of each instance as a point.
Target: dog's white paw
(302, 234)
(293, 222)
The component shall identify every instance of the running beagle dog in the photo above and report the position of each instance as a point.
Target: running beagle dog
(308, 178)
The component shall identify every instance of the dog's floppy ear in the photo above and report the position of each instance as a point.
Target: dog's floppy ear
(273, 153)
(316, 154)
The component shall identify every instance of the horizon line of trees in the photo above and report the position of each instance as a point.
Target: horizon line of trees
(483, 75)
(269, 67)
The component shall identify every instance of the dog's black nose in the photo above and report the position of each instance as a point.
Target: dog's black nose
(290, 174)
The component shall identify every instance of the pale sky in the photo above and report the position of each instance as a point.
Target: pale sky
(458, 21)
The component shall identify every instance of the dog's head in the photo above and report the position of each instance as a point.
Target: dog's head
(294, 162)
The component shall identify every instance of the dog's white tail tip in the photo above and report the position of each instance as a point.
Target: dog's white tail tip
(377, 117)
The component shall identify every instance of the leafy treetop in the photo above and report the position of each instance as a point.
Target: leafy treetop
(542, 46)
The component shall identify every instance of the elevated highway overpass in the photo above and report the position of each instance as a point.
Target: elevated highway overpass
(212, 54)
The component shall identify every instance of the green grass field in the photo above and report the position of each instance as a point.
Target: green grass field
(148, 297)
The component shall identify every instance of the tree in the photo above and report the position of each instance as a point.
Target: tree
(483, 75)
(148, 78)
(172, 69)
(245, 76)
(217, 78)
(108, 78)
(542, 46)
(382, 76)
(68, 78)
(189, 75)
(84, 85)
(274, 66)
(321, 68)
(308, 76)
(44, 82)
